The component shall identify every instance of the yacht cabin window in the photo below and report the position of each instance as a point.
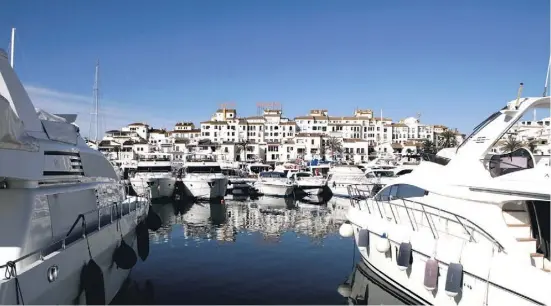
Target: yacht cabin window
(273, 174)
(258, 169)
(380, 173)
(203, 169)
(400, 191)
(154, 169)
(405, 171)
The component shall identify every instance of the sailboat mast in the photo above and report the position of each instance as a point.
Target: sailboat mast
(96, 102)
(12, 47)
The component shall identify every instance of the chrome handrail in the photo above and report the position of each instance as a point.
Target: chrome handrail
(355, 202)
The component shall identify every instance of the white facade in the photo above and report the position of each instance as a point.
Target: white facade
(274, 138)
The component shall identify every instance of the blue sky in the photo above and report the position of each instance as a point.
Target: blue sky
(164, 61)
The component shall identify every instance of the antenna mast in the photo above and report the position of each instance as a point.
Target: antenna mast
(94, 113)
(12, 46)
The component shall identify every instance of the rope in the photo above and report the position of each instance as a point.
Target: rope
(11, 272)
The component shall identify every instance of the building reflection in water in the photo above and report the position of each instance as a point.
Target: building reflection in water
(270, 216)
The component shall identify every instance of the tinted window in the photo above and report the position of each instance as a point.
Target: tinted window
(154, 169)
(384, 194)
(402, 172)
(273, 174)
(410, 191)
(204, 169)
(384, 173)
(302, 174)
(401, 191)
(257, 169)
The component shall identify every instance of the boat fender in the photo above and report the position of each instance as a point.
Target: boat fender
(404, 256)
(454, 279)
(346, 230)
(363, 238)
(153, 220)
(91, 281)
(124, 256)
(345, 290)
(383, 245)
(431, 274)
(142, 235)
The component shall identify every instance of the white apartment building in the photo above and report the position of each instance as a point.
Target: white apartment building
(142, 129)
(274, 138)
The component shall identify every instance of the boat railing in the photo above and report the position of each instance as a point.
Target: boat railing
(427, 211)
(116, 212)
(201, 158)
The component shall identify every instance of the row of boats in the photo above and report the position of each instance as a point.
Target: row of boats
(203, 177)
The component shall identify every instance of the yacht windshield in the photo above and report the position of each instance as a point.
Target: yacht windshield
(303, 174)
(258, 169)
(481, 126)
(203, 169)
(273, 174)
(384, 173)
(154, 169)
(231, 172)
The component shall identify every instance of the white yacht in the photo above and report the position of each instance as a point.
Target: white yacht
(257, 167)
(307, 183)
(342, 176)
(274, 184)
(203, 177)
(471, 230)
(153, 176)
(64, 211)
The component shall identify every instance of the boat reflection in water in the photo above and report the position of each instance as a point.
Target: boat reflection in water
(269, 216)
(260, 251)
(356, 289)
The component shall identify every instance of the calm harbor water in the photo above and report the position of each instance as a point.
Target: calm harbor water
(262, 251)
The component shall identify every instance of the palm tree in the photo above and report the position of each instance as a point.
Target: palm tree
(447, 139)
(428, 146)
(511, 145)
(242, 147)
(334, 145)
(532, 144)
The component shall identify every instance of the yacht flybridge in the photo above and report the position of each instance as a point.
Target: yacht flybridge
(476, 233)
(64, 212)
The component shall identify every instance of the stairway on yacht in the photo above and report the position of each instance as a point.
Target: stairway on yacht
(517, 219)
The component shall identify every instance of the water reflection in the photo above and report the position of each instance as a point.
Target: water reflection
(269, 216)
(260, 251)
(364, 287)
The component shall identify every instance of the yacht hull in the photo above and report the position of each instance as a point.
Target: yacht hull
(275, 190)
(155, 187)
(65, 290)
(474, 288)
(206, 189)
